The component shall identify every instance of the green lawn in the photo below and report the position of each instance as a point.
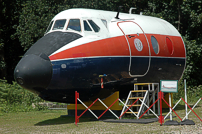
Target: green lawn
(50, 121)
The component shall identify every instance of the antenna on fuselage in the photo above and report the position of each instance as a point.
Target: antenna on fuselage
(130, 11)
(117, 15)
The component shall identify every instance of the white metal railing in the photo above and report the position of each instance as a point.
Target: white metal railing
(145, 96)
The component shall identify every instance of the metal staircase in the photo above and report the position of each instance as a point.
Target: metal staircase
(145, 95)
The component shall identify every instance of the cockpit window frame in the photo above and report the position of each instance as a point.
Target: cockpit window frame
(91, 29)
(50, 26)
(73, 29)
(58, 28)
(104, 22)
(94, 24)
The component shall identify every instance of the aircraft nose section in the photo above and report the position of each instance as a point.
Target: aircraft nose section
(34, 72)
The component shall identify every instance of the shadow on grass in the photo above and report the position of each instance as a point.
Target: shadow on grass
(70, 119)
(179, 109)
(61, 120)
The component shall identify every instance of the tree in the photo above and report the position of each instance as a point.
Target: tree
(185, 15)
(9, 47)
(193, 63)
(2, 60)
(192, 19)
(36, 15)
(34, 19)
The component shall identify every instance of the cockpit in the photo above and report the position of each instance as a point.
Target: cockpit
(77, 25)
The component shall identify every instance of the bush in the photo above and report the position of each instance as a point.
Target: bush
(14, 98)
(193, 71)
(193, 92)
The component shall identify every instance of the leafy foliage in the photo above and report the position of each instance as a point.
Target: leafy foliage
(193, 71)
(185, 15)
(34, 19)
(10, 48)
(193, 92)
(15, 98)
(36, 15)
(192, 14)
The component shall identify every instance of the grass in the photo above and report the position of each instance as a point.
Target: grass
(51, 121)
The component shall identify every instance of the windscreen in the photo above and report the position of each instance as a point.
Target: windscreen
(86, 26)
(94, 26)
(51, 42)
(74, 24)
(59, 24)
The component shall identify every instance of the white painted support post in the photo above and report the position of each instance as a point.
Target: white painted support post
(148, 100)
(185, 93)
(158, 101)
(149, 87)
(141, 104)
(170, 106)
(153, 97)
(125, 103)
(136, 87)
(152, 86)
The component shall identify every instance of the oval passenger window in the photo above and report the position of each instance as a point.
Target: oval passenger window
(169, 45)
(155, 44)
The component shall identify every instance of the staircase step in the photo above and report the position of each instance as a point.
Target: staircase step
(139, 90)
(136, 97)
(131, 112)
(137, 105)
(142, 83)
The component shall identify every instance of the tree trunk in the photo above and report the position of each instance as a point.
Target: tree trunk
(179, 2)
(2, 59)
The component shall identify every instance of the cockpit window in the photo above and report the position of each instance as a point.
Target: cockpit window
(86, 26)
(49, 27)
(94, 26)
(104, 22)
(59, 24)
(74, 24)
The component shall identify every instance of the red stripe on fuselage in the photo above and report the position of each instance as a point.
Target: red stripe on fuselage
(178, 46)
(118, 46)
(106, 47)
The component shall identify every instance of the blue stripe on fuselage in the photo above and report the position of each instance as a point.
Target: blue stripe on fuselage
(84, 72)
(82, 75)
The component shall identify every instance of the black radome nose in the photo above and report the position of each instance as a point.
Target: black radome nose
(34, 72)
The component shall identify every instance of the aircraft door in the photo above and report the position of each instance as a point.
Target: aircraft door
(138, 47)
